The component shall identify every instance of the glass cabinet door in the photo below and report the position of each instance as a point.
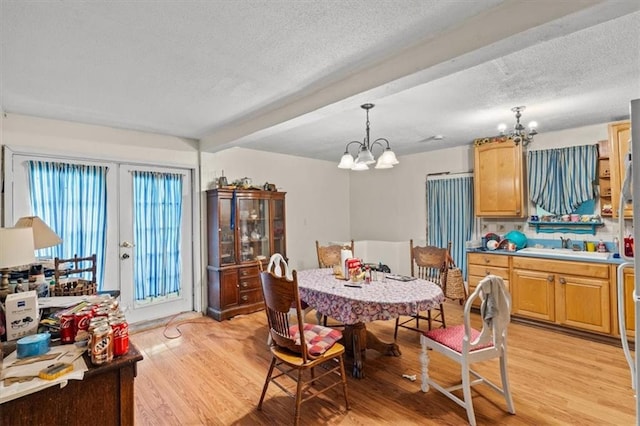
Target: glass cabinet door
(227, 237)
(278, 227)
(253, 230)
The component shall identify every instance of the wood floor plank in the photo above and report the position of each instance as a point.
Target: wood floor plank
(213, 373)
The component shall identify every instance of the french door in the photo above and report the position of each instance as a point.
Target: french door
(154, 247)
(125, 256)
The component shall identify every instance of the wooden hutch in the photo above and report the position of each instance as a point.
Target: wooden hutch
(244, 226)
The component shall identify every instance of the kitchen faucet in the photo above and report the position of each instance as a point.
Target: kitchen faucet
(566, 242)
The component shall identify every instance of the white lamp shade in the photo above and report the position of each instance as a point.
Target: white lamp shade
(346, 162)
(382, 165)
(16, 247)
(358, 167)
(388, 157)
(365, 156)
(43, 236)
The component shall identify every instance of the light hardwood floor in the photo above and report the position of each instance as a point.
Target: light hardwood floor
(213, 375)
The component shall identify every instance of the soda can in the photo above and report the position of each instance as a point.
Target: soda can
(97, 322)
(120, 337)
(102, 345)
(82, 319)
(67, 328)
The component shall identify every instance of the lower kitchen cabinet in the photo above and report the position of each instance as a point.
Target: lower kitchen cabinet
(628, 278)
(479, 265)
(573, 294)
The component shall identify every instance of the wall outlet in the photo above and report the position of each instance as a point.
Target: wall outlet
(518, 227)
(501, 228)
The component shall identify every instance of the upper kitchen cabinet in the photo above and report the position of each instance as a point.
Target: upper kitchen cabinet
(619, 135)
(499, 184)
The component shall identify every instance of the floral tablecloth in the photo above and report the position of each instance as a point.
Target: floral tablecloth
(375, 301)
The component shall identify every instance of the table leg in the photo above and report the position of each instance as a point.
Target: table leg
(358, 339)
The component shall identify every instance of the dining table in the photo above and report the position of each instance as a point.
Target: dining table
(354, 304)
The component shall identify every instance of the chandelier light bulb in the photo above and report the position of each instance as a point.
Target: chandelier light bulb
(502, 127)
(533, 125)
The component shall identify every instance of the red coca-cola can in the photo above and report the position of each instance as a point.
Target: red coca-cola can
(82, 319)
(120, 337)
(67, 328)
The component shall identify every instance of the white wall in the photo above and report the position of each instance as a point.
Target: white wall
(390, 204)
(98, 141)
(317, 200)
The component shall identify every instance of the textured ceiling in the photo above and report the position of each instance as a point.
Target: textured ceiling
(289, 76)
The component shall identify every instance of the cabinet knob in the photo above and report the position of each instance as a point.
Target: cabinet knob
(245, 298)
(550, 278)
(486, 260)
(244, 284)
(562, 280)
(487, 272)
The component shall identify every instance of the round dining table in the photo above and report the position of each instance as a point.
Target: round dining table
(354, 304)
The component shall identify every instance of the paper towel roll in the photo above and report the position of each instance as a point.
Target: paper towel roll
(344, 255)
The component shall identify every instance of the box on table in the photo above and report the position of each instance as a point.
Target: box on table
(22, 314)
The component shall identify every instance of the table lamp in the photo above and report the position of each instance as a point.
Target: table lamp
(43, 236)
(16, 249)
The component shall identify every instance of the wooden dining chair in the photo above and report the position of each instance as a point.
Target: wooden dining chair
(328, 257)
(466, 345)
(428, 263)
(295, 354)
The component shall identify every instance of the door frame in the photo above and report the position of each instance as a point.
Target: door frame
(9, 216)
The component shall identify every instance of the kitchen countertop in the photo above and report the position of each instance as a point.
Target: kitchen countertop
(577, 257)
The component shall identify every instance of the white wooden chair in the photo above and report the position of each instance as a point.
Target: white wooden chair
(466, 345)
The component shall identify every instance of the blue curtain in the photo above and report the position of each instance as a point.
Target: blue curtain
(561, 179)
(450, 216)
(157, 230)
(72, 200)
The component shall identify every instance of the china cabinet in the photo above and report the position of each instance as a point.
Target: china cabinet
(619, 135)
(243, 227)
(499, 184)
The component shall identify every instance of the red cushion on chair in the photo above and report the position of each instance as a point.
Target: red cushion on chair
(451, 337)
(319, 338)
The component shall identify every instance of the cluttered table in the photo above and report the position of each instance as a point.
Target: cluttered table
(103, 395)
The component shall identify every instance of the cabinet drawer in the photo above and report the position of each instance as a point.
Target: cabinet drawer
(249, 283)
(488, 259)
(248, 297)
(595, 270)
(248, 271)
(483, 271)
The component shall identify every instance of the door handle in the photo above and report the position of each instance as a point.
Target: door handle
(127, 244)
(125, 256)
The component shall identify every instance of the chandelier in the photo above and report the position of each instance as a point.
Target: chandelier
(519, 133)
(365, 157)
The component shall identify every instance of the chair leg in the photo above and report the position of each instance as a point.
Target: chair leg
(424, 362)
(395, 332)
(296, 414)
(318, 317)
(428, 319)
(344, 382)
(266, 382)
(466, 391)
(444, 325)
(505, 382)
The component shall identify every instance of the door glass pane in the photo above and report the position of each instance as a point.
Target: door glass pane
(278, 227)
(254, 229)
(227, 240)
